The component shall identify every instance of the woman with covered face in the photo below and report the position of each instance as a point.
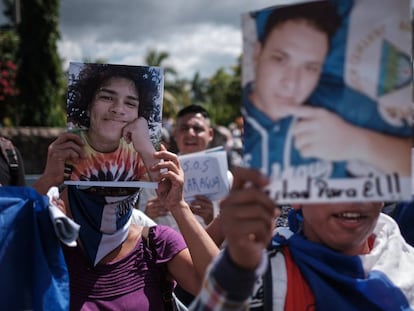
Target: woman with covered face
(116, 265)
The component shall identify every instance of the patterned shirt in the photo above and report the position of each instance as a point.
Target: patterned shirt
(123, 164)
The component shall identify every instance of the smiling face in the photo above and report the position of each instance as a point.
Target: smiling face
(115, 104)
(288, 66)
(344, 227)
(192, 133)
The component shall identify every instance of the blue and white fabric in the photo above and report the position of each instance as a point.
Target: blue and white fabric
(104, 220)
(33, 272)
(380, 280)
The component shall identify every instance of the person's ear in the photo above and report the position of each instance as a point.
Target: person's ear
(211, 134)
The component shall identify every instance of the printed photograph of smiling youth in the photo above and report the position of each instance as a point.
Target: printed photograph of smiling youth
(327, 99)
(117, 110)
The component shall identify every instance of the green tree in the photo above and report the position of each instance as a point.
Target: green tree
(174, 89)
(40, 77)
(181, 91)
(199, 89)
(155, 58)
(219, 94)
(8, 90)
(234, 93)
(224, 94)
(9, 42)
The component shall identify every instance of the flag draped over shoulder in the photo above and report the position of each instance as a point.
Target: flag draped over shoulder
(380, 280)
(33, 272)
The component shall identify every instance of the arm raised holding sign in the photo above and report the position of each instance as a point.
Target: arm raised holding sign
(170, 194)
(354, 236)
(192, 134)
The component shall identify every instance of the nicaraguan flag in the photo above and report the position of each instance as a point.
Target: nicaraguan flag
(104, 221)
(380, 280)
(33, 273)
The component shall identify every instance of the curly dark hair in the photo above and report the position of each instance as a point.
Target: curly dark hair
(84, 86)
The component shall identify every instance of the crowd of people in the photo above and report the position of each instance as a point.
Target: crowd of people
(150, 249)
(258, 259)
(292, 133)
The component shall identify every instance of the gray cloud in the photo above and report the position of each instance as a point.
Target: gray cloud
(200, 35)
(137, 19)
(127, 20)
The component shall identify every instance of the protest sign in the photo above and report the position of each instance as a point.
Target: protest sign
(327, 103)
(205, 173)
(116, 110)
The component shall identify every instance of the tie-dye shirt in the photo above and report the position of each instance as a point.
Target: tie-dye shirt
(123, 164)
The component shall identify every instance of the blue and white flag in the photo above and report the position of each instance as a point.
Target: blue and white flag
(33, 272)
(380, 280)
(363, 91)
(104, 221)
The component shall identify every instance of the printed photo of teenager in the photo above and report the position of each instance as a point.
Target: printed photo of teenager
(305, 116)
(116, 109)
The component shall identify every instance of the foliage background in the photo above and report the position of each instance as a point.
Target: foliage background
(36, 89)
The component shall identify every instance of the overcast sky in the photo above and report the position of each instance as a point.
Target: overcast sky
(200, 35)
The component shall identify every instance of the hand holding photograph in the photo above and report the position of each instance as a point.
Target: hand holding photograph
(116, 109)
(327, 99)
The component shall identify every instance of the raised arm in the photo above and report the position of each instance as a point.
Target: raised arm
(247, 217)
(137, 133)
(202, 248)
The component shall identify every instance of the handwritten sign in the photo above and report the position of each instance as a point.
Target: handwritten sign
(390, 187)
(349, 137)
(205, 173)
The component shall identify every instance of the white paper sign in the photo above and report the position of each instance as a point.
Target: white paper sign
(205, 173)
(348, 136)
(390, 187)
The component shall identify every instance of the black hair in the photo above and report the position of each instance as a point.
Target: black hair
(321, 15)
(92, 76)
(193, 109)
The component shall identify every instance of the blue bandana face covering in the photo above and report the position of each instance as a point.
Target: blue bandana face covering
(104, 220)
